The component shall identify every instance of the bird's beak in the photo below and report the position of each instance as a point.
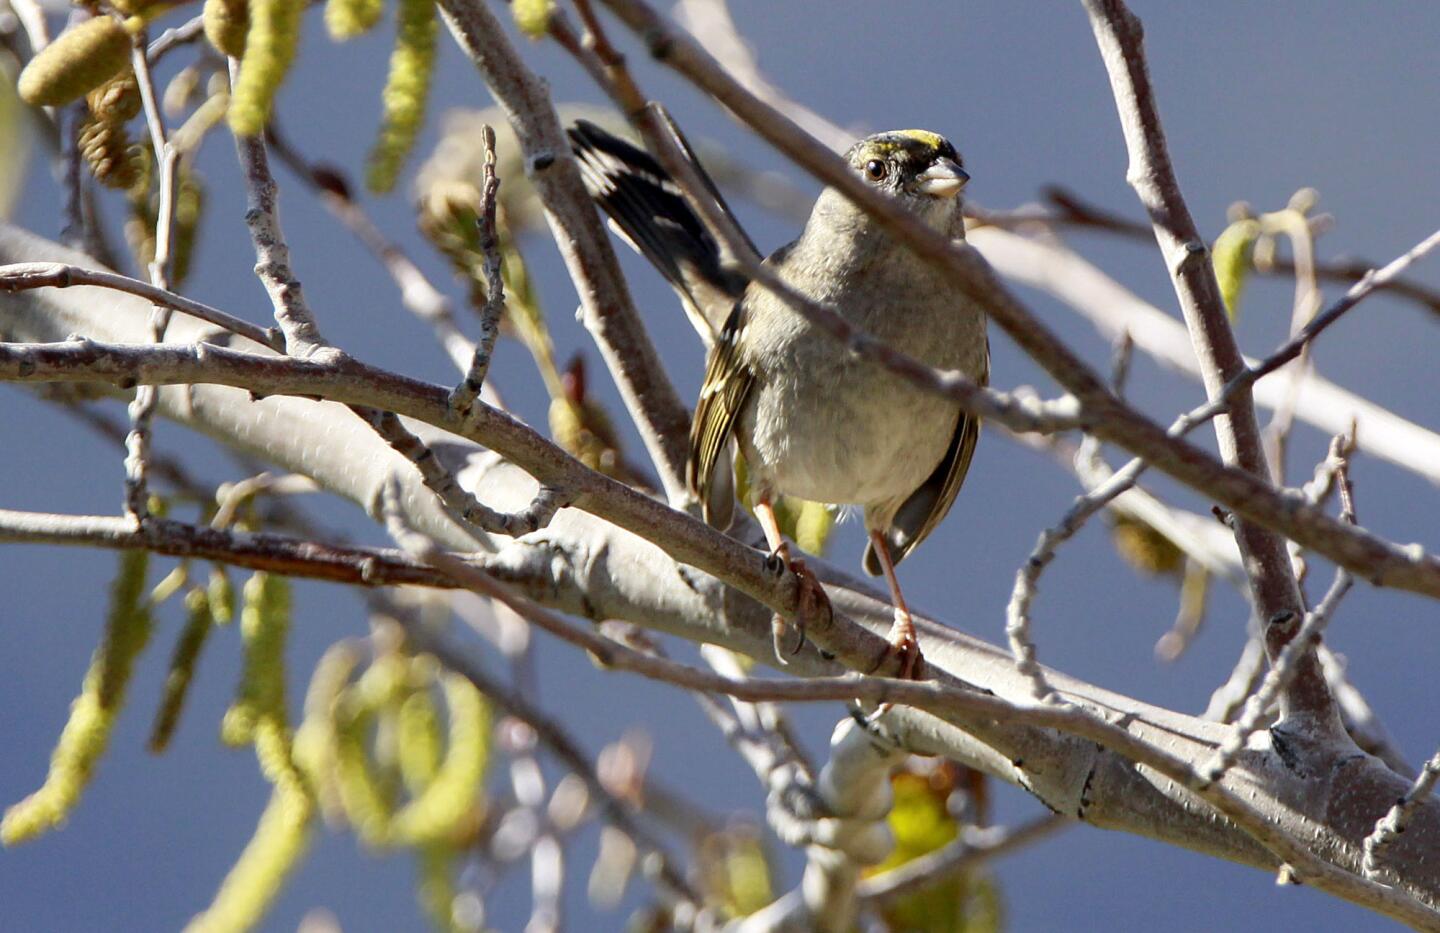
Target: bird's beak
(943, 179)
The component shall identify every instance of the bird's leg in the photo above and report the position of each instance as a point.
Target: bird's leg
(812, 595)
(902, 632)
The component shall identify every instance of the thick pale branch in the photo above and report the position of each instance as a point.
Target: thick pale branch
(598, 571)
(347, 380)
(961, 706)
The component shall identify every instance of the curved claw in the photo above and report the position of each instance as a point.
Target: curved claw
(812, 601)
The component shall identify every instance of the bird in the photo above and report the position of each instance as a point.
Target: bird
(812, 419)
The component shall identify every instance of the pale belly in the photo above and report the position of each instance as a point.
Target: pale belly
(853, 445)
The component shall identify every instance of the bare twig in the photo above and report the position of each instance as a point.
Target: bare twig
(975, 847)
(22, 275)
(175, 37)
(462, 399)
(608, 311)
(1370, 282)
(1275, 591)
(142, 407)
(1281, 677)
(272, 265)
(1393, 823)
(417, 294)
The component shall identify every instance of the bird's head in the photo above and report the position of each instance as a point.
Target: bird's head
(919, 168)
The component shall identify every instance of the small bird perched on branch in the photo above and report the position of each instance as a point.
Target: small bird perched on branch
(812, 419)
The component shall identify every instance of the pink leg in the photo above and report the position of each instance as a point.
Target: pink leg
(902, 633)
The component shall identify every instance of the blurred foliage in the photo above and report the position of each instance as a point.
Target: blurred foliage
(270, 44)
(407, 88)
(346, 19)
(15, 130)
(921, 822)
(92, 716)
(532, 17)
(1144, 547)
(736, 871)
(227, 23)
(199, 620)
(81, 58)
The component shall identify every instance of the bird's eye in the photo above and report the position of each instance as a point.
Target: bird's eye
(875, 169)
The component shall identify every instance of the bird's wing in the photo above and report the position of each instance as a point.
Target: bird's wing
(728, 380)
(648, 209)
(927, 506)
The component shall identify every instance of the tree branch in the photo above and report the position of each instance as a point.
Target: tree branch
(609, 313)
(1272, 580)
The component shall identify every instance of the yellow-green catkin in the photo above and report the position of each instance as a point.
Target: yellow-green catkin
(532, 17)
(92, 716)
(226, 24)
(259, 716)
(1231, 256)
(270, 45)
(442, 808)
(81, 59)
(264, 624)
(346, 19)
(435, 888)
(406, 90)
(221, 595)
(189, 207)
(367, 806)
(274, 850)
(316, 741)
(419, 742)
(198, 623)
(114, 160)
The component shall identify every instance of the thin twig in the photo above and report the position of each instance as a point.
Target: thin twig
(142, 407)
(1393, 823)
(462, 399)
(1276, 594)
(1281, 677)
(975, 847)
(272, 255)
(608, 312)
(175, 37)
(417, 293)
(22, 275)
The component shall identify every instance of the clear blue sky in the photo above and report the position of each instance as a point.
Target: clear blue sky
(1259, 100)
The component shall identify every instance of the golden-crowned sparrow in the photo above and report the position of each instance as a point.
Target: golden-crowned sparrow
(812, 419)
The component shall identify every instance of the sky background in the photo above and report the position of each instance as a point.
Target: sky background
(1258, 100)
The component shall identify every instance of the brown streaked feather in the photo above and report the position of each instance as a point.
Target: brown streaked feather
(727, 384)
(928, 505)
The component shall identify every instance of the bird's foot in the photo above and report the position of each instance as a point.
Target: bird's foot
(903, 642)
(812, 604)
(904, 645)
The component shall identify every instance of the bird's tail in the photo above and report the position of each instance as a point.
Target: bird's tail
(646, 207)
